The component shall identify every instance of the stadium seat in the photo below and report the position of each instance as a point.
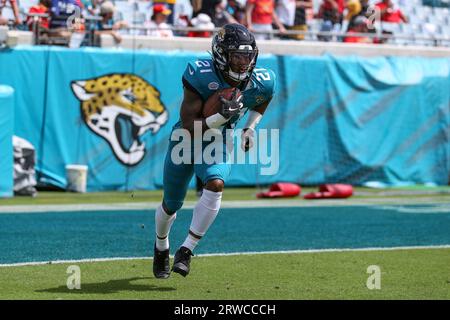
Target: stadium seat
(145, 8)
(425, 37)
(391, 27)
(426, 10)
(409, 29)
(445, 32)
(127, 9)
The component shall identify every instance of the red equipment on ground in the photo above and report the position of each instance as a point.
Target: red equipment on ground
(281, 190)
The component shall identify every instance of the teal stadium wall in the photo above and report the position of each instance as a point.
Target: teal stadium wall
(6, 134)
(341, 119)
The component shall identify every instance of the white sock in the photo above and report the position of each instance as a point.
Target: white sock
(190, 242)
(163, 223)
(205, 211)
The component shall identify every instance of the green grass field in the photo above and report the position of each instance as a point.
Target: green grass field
(405, 274)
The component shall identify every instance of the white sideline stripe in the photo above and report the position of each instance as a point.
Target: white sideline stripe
(21, 264)
(274, 203)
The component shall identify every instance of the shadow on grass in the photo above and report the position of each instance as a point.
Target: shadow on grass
(112, 286)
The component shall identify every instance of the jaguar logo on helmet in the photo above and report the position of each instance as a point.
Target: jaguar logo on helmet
(221, 34)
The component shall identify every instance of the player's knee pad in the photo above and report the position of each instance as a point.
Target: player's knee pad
(205, 212)
(211, 200)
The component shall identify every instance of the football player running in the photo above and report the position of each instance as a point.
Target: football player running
(233, 61)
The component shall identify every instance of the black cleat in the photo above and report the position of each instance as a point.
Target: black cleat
(182, 261)
(161, 264)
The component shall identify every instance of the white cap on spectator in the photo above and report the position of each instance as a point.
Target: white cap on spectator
(203, 21)
(107, 7)
(361, 20)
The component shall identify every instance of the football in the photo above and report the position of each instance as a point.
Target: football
(212, 105)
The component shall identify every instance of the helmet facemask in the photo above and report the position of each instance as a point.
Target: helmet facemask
(243, 62)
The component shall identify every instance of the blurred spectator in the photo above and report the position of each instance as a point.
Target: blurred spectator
(42, 7)
(61, 11)
(292, 13)
(202, 21)
(205, 6)
(389, 13)
(365, 8)
(260, 14)
(170, 4)
(353, 8)
(181, 21)
(360, 25)
(221, 15)
(300, 21)
(90, 7)
(85, 3)
(237, 10)
(107, 25)
(330, 11)
(15, 9)
(285, 10)
(65, 17)
(158, 26)
(220, 11)
(196, 6)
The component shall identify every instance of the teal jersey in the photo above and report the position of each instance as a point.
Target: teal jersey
(203, 78)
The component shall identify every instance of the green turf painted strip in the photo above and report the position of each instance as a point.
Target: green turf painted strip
(405, 274)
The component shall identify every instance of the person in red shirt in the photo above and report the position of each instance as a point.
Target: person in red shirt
(331, 12)
(389, 13)
(260, 14)
(339, 5)
(42, 7)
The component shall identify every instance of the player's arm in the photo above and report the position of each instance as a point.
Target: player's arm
(16, 12)
(248, 15)
(191, 111)
(254, 117)
(262, 107)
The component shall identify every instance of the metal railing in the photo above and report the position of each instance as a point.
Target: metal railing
(311, 35)
(317, 35)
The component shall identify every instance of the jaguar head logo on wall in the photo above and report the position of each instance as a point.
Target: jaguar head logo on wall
(121, 108)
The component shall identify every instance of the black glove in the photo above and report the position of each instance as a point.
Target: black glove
(247, 139)
(231, 107)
